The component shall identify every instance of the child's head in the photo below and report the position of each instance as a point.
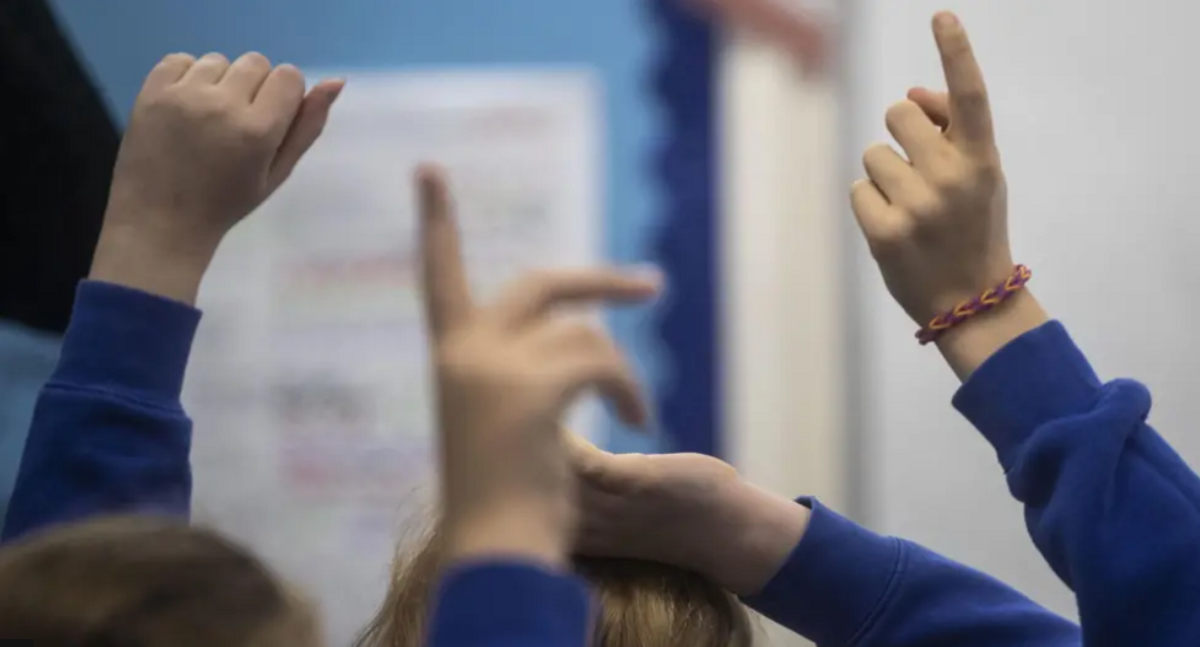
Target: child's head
(146, 582)
(642, 604)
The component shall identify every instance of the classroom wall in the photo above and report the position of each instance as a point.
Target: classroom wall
(122, 41)
(1095, 107)
(782, 317)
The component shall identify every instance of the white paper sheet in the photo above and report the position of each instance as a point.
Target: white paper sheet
(309, 378)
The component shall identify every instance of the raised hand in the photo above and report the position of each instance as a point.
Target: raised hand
(506, 374)
(936, 219)
(689, 510)
(207, 142)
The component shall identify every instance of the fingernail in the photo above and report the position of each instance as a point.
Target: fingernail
(427, 172)
(337, 90)
(946, 20)
(430, 190)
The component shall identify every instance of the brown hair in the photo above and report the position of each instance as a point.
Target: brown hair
(642, 604)
(144, 582)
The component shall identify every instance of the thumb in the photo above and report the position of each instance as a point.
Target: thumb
(588, 461)
(305, 129)
(581, 450)
(935, 104)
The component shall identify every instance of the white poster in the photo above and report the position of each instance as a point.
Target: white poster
(309, 381)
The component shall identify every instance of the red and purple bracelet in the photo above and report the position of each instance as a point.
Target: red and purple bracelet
(982, 303)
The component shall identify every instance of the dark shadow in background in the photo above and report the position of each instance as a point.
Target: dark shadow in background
(57, 148)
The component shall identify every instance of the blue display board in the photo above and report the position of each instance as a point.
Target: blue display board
(687, 245)
(655, 61)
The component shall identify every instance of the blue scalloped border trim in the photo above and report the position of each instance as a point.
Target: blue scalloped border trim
(684, 80)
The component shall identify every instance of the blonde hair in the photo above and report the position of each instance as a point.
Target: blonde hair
(144, 582)
(642, 604)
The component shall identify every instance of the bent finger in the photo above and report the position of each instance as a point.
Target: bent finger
(208, 70)
(246, 75)
(536, 294)
(610, 375)
(916, 134)
(936, 105)
(891, 173)
(169, 70)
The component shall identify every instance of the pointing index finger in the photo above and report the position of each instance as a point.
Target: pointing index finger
(447, 294)
(970, 112)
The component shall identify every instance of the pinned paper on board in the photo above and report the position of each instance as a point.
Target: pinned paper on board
(310, 378)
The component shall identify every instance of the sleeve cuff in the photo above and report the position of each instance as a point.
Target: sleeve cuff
(127, 341)
(510, 604)
(835, 579)
(1038, 377)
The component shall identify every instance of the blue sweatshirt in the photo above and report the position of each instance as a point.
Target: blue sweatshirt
(1112, 508)
(109, 435)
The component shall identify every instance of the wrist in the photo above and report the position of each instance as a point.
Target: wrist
(967, 346)
(758, 531)
(156, 262)
(521, 532)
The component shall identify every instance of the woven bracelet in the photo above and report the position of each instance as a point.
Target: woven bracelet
(982, 303)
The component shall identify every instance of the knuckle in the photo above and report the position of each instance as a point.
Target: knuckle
(925, 209)
(176, 103)
(176, 59)
(860, 192)
(958, 177)
(898, 113)
(883, 247)
(886, 242)
(255, 59)
(255, 131)
(869, 154)
(875, 152)
(948, 178)
(856, 189)
(988, 174)
(972, 99)
(290, 73)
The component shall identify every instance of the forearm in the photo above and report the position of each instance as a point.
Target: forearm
(763, 529)
(843, 585)
(1113, 509)
(108, 433)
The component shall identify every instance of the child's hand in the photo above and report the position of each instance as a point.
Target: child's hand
(506, 374)
(689, 510)
(207, 142)
(937, 222)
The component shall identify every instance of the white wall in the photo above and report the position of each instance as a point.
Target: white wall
(1096, 106)
(780, 260)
